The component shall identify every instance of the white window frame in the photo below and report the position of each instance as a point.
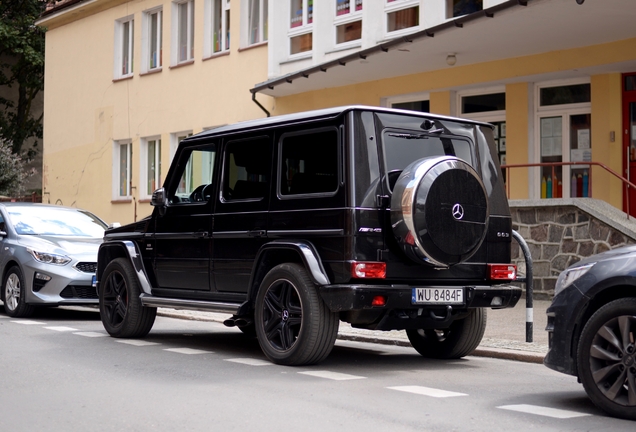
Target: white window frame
(118, 145)
(413, 97)
(565, 111)
(120, 43)
(304, 28)
(397, 5)
(348, 17)
(262, 22)
(147, 39)
(210, 24)
(450, 6)
(175, 139)
(146, 193)
(498, 115)
(175, 57)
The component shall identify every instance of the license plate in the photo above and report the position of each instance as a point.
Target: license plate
(94, 281)
(438, 296)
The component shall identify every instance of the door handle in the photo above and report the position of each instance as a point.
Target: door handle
(256, 233)
(200, 234)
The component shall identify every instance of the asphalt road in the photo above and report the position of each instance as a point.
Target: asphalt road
(62, 372)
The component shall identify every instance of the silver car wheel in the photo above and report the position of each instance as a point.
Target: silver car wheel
(12, 291)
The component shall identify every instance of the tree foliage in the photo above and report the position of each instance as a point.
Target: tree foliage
(21, 72)
(12, 171)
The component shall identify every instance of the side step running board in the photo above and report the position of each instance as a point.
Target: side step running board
(206, 306)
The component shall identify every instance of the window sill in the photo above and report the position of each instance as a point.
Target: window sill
(298, 57)
(121, 201)
(144, 200)
(127, 77)
(256, 45)
(217, 54)
(345, 46)
(185, 63)
(150, 72)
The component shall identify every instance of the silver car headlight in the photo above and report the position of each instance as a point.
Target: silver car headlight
(49, 258)
(568, 276)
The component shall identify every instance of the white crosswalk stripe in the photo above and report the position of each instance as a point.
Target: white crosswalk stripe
(61, 328)
(544, 411)
(187, 351)
(250, 361)
(336, 376)
(427, 391)
(136, 342)
(91, 334)
(27, 322)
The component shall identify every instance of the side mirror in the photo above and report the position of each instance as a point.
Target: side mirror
(3, 234)
(114, 225)
(159, 200)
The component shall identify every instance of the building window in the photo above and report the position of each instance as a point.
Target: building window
(175, 139)
(220, 22)
(483, 103)
(122, 156)
(300, 24)
(150, 165)
(124, 43)
(402, 14)
(152, 52)
(257, 17)
(420, 106)
(348, 21)
(183, 31)
(455, 8)
(567, 94)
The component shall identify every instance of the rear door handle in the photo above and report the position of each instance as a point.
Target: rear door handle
(201, 234)
(256, 233)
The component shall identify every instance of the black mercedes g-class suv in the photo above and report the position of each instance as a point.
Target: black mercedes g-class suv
(386, 219)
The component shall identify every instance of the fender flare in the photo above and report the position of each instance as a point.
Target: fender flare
(125, 249)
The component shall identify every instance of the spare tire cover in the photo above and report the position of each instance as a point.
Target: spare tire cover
(439, 211)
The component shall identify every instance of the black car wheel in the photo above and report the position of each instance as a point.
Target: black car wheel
(120, 307)
(293, 324)
(14, 294)
(607, 358)
(458, 340)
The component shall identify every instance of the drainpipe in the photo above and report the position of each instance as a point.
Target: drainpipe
(259, 104)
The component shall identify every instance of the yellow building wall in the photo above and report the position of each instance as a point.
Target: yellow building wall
(607, 118)
(85, 110)
(517, 138)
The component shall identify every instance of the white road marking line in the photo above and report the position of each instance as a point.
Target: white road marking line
(332, 375)
(27, 322)
(250, 361)
(136, 342)
(427, 391)
(61, 328)
(188, 351)
(91, 334)
(544, 411)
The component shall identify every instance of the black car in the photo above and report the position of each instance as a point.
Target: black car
(592, 328)
(386, 219)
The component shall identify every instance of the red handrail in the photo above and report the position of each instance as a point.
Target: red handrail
(626, 183)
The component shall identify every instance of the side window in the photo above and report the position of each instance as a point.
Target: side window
(247, 169)
(309, 162)
(3, 226)
(197, 174)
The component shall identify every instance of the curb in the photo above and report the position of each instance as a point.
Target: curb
(499, 353)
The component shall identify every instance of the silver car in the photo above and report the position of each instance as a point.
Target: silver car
(48, 256)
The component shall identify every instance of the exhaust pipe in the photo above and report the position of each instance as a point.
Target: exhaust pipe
(243, 322)
(230, 322)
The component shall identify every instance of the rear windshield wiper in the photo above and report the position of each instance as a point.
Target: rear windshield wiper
(416, 136)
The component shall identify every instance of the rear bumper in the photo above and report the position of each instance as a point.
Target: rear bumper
(341, 298)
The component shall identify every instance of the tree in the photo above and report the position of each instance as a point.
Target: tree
(12, 171)
(21, 72)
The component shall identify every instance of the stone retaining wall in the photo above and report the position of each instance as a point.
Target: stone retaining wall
(558, 237)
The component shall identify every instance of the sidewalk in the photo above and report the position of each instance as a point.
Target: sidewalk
(505, 335)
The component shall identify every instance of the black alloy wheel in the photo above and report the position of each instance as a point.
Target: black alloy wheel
(293, 324)
(607, 358)
(120, 307)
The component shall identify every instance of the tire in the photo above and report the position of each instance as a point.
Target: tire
(293, 324)
(14, 294)
(439, 211)
(120, 307)
(607, 358)
(459, 340)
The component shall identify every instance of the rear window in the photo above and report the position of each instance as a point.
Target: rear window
(402, 147)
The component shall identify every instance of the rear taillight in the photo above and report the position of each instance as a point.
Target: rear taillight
(502, 271)
(368, 270)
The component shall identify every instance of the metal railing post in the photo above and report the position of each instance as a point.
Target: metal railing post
(529, 286)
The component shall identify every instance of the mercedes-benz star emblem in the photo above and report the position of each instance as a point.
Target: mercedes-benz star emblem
(285, 315)
(458, 211)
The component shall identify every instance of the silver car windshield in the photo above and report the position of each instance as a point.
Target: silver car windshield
(55, 222)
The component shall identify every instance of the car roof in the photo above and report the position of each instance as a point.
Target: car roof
(325, 114)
